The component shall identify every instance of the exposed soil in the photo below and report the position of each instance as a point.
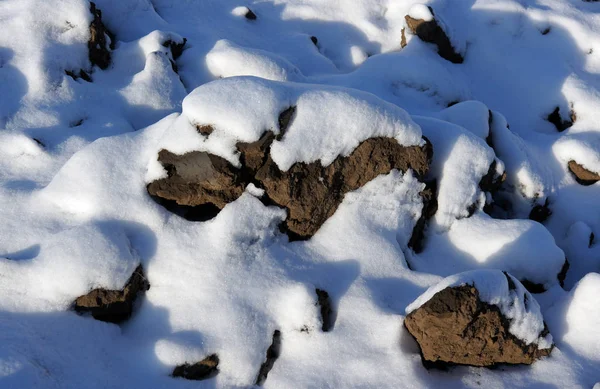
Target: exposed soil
(456, 328)
(114, 306)
(430, 207)
(98, 46)
(206, 368)
(431, 32)
(582, 175)
(273, 353)
(324, 302)
(309, 192)
(560, 124)
(250, 15)
(540, 213)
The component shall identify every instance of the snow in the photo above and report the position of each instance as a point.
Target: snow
(76, 156)
(457, 177)
(241, 109)
(523, 248)
(575, 319)
(227, 59)
(518, 306)
(420, 12)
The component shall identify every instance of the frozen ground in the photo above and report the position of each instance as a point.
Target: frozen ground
(75, 158)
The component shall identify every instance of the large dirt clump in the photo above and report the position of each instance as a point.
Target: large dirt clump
(432, 32)
(309, 192)
(114, 306)
(99, 46)
(456, 328)
(582, 175)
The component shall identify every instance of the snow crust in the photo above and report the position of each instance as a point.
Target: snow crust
(517, 305)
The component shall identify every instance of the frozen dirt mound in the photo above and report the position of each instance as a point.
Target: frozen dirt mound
(310, 191)
(480, 318)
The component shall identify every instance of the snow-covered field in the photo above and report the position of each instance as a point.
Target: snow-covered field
(79, 144)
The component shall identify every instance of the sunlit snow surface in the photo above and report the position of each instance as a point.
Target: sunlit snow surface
(75, 158)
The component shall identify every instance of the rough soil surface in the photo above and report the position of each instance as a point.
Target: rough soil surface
(558, 121)
(310, 192)
(206, 368)
(176, 48)
(114, 306)
(98, 45)
(491, 183)
(540, 213)
(431, 32)
(582, 175)
(456, 327)
(563, 272)
(325, 305)
(430, 207)
(273, 353)
(250, 15)
(198, 178)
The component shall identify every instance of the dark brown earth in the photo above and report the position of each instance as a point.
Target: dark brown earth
(563, 272)
(310, 192)
(403, 38)
(77, 75)
(540, 213)
(491, 182)
(456, 328)
(582, 175)
(273, 353)
(325, 305)
(98, 46)
(206, 368)
(250, 15)
(176, 48)
(114, 306)
(431, 32)
(430, 207)
(558, 121)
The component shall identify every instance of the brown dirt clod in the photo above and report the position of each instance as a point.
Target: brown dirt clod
(582, 175)
(176, 48)
(540, 213)
(558, 121)
(250, 15)
(563, 272)
(98, 46)
(325, 305)
(310, 192)
(273, 353)
(206, 368)
(113, 306)
(456, 328)
(431, 32)
(430, 207)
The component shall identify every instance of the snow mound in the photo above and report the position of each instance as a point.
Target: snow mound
(471, 115)
(523, 248)
(420, 12)
(574, 320)
(460, 160)
(327, 122)
(505, 292)
(72, 262)
(227, 59)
